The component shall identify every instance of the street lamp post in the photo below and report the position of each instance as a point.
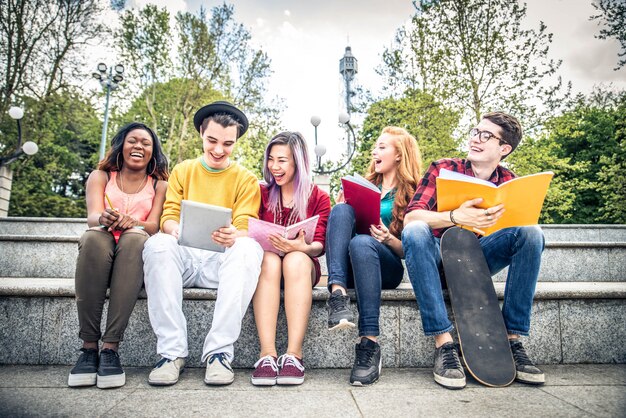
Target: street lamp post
(6, 174)
(108, 82)
(348, 68)
(315, 121)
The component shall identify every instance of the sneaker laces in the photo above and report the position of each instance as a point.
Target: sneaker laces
(267, 361)
(221, 357)
(337, 302)
(289, 360)
(161, 362)
(519, 354)
(109, 355)
(450, 357)
(364, 355)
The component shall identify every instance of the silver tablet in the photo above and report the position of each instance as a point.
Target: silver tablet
(198, 221)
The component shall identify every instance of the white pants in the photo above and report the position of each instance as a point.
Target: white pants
(168, 267)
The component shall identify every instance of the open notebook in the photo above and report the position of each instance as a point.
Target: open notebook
(261, 230)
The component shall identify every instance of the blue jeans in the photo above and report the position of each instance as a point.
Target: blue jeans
(519, 248)
(361, 261)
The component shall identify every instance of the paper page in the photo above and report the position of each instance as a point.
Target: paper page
(360, 180)
(453, 175)
(308, 225)
(261, 230)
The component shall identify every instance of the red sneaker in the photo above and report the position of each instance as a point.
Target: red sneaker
(265, 372)
(291, 370)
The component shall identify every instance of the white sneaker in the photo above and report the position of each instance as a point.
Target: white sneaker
(166, 372)
(218, 370)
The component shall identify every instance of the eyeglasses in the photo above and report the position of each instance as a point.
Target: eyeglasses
(483, 136)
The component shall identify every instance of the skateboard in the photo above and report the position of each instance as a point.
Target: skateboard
(477, 315)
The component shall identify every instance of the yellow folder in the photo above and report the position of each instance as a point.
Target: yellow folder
(522, 197)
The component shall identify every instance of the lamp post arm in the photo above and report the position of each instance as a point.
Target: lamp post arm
(18, 149)
(10, 158)
(321, 171)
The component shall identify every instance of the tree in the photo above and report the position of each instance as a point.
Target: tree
(144, 44)
(475, 55)
(41, 43)
(214, 60)
(611, 183)
(52, 182)
(539, 154)
(590, 136)
(612, 17)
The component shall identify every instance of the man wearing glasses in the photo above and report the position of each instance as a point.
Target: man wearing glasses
(495, 137)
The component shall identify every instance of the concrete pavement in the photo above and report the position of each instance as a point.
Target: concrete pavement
(571, 390)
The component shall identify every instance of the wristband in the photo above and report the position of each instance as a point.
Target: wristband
(452, 218)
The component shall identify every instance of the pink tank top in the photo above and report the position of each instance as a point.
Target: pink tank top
(137, 205)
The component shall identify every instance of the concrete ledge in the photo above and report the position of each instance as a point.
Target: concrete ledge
(42, 226)
(44, 330)
(45, 287)
(567, 261)
(75, 239)
(40, 238)
(76, 226)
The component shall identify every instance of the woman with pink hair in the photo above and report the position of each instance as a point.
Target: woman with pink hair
(288, 196)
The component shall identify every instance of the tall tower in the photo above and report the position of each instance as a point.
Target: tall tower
(348, 67)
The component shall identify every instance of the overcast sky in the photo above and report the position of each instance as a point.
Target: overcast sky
(306, 39)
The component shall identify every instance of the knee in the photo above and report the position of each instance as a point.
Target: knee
(341, 211)
(96, 240)
(132, 240)
(158, 244)
(362, 246)
(416, 233)
(248, 249)
(532, 236)
(296, 260)
(271, 264)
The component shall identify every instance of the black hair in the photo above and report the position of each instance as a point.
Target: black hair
(157, 167)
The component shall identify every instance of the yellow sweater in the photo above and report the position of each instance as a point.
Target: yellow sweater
(235, 188)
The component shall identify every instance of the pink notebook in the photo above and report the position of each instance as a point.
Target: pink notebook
(260, 231)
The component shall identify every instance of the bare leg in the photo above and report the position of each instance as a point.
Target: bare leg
(299, 271)
(441, 339)
(336, 286)
(266, 302)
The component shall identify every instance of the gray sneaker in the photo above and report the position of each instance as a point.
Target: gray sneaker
(448, 371)
(527, 372)
(339, 312)
(166, 372)
(218, 370)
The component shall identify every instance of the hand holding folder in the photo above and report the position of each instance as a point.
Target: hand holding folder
(364, 198)
(522, 197)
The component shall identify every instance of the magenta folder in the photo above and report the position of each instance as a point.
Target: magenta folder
(364, 198)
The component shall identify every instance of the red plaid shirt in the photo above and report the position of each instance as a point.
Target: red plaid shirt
(425, 197)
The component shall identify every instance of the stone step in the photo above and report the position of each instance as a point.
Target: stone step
(76, 226)
(55, 256)
(43, 226)
(572, 323)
